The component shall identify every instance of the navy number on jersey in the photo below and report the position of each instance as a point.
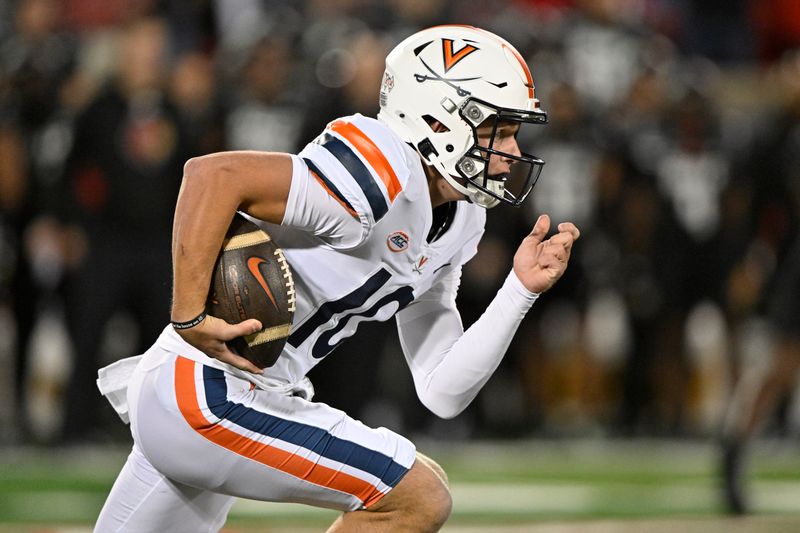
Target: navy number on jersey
(332, 317)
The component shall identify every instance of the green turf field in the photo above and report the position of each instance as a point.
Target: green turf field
(521, 486)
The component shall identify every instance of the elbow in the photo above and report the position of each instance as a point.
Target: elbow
(208, 165)
(193, 172)
(192, 166)
(207, 173)
(442, 399)
(197, 168)
(442, 405)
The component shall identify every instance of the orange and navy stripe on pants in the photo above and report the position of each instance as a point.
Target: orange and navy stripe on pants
(309, 438)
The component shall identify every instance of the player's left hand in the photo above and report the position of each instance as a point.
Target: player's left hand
(539, 263)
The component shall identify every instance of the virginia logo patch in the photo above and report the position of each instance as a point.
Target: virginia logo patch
(397, 241)
(419, 264)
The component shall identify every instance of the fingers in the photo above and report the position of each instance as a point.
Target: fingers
(211, 335)
(541, 228)
(561, 240)
(558, 248)
(569, 227)
(227, 356)
(232, 331)
(567, 235)
(554, 256)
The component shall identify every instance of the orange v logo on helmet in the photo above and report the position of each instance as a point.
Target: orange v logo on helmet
(450, 60)
(451, 57)
(252, 264)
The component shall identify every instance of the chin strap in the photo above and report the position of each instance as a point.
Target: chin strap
(472, 193)
(484, 200)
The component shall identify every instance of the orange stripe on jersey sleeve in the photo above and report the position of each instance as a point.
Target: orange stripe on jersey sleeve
(186, 395)
(370, 151)
(324, 186)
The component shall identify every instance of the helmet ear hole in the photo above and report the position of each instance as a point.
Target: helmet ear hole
(435, 125)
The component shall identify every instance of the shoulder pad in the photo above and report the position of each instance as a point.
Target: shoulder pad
(362, 163)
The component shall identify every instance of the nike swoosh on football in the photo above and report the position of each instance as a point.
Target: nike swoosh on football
(252, 264)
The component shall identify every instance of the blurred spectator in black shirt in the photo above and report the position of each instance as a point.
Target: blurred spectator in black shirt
(123, 176)
(36, 64)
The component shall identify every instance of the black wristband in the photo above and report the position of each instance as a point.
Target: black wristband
(189, 323)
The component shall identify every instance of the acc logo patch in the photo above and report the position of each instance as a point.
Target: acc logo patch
(397, 241)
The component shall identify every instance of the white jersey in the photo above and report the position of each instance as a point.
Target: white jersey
(355, 233)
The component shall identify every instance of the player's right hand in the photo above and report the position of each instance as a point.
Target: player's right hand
(211, 335)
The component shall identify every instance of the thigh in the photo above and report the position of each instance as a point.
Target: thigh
(208, 429)
(142, 500)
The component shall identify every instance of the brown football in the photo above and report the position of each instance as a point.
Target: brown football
(253, 280)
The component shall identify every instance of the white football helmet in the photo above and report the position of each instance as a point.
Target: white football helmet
(460, 77)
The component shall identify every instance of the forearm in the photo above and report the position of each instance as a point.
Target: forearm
(214, 187)
(450, 366)
(202, 215)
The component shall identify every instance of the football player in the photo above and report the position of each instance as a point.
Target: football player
(371, 219)
(760, 390)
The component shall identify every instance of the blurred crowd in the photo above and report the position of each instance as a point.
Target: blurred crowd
(673, 142)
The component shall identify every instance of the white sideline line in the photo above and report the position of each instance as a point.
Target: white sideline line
(557, 498)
